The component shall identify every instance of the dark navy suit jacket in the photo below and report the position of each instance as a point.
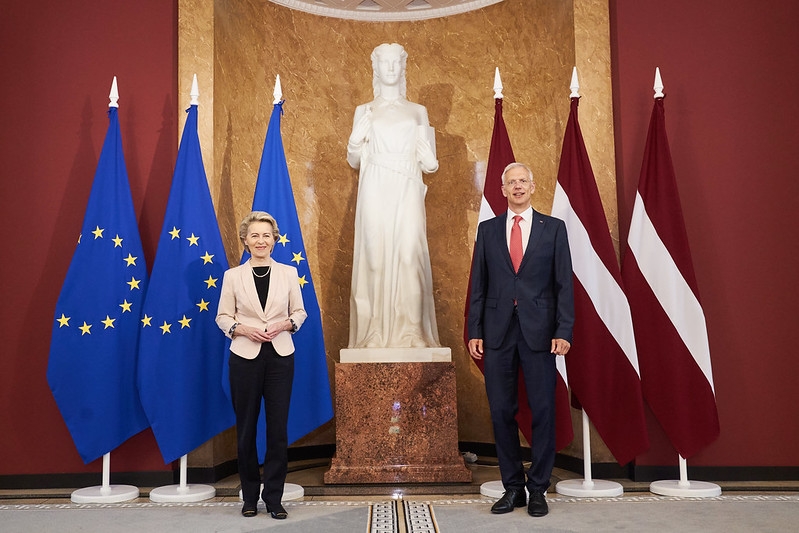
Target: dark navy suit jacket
(542, 289)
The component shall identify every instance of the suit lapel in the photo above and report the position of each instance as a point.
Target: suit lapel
(500, 238)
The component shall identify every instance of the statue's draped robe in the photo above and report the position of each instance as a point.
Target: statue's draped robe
(391, 301)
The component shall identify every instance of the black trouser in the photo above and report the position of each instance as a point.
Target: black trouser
(268, 376)
(501, 369)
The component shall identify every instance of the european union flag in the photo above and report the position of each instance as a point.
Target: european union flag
(311, 404)
(182, 350)
(93, 350)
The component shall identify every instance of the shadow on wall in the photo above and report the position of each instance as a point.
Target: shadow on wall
(225, 208)
(337, 189)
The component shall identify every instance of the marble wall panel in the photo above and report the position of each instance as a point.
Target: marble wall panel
(325, 73)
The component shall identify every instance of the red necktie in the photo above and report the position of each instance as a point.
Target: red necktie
(516, 252)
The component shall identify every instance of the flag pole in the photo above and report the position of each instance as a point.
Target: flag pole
(587, 487)
(291, 491)
(492, 489)
(106, 493)
(184, 492)
(682, 487)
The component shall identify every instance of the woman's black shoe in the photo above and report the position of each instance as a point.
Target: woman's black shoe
(249, 509)
(277, 511)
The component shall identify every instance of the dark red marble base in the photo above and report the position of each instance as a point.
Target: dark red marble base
(396, 423)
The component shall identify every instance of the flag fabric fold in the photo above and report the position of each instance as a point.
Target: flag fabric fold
(602, 364)
(182, 351)
(670, 327)
(311, 401)
(493, 203)
(94, 346)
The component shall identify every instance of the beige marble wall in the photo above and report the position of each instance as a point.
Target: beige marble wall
(325, 72)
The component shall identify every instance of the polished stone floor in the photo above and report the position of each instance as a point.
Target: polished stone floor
(308, 475)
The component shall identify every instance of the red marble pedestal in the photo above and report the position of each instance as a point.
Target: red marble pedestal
(396, 423)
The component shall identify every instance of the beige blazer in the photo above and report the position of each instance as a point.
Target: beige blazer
(238, 302)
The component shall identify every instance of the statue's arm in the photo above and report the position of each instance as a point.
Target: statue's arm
(426, 144)
(361, 125)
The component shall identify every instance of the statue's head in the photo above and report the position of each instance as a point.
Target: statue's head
(388, 67)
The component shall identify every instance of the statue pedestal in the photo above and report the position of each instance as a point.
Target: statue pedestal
(396, 422)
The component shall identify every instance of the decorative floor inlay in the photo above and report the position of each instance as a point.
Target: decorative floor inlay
(410, 517)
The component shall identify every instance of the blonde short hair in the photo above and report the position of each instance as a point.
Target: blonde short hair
(257, 216)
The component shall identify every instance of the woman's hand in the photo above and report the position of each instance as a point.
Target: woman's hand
(260, 336)
(273, 329)
(254, 334)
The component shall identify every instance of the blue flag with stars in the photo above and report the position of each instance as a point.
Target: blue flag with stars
(311, 404)
(182, 350)
(94, 345)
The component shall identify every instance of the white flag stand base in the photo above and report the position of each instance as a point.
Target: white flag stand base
(684, 488)
(691, 489)
(587, 488)
(492, 489)
(290, 492)
(110, 494)
(183, 492)
(106, 493)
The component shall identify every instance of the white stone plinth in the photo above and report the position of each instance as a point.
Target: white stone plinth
(396, 355)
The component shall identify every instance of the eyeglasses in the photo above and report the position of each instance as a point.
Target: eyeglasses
(523, 182)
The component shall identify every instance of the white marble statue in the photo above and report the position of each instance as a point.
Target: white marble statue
(391, 300)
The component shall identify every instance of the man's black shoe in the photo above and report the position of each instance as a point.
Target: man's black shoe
(509, 501)
(538, 504)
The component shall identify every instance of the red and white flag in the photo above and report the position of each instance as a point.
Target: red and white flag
(670, 329)
(602, 363)
(492, 204)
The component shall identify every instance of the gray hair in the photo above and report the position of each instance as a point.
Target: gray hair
(517, 165)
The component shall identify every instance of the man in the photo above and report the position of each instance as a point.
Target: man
(521, 317)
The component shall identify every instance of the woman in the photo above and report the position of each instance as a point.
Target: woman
(391, 303)
(260, 306)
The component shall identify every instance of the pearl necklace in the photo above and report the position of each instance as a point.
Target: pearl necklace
(268, 270)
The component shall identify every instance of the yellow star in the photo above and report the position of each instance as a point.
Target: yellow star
(117, 241)
(193, 240)
(125, 305)
(63, 321)
(283, 239)
(175, 232)
(130, 260)
(109, 322)
(134, 283)
(98, 233)
(297, 258)
(146, 321)
(211, 282)
(207, 258)
(165, 328)
(203, 305)
(302, 281)
(85, 328)
(184, 322)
